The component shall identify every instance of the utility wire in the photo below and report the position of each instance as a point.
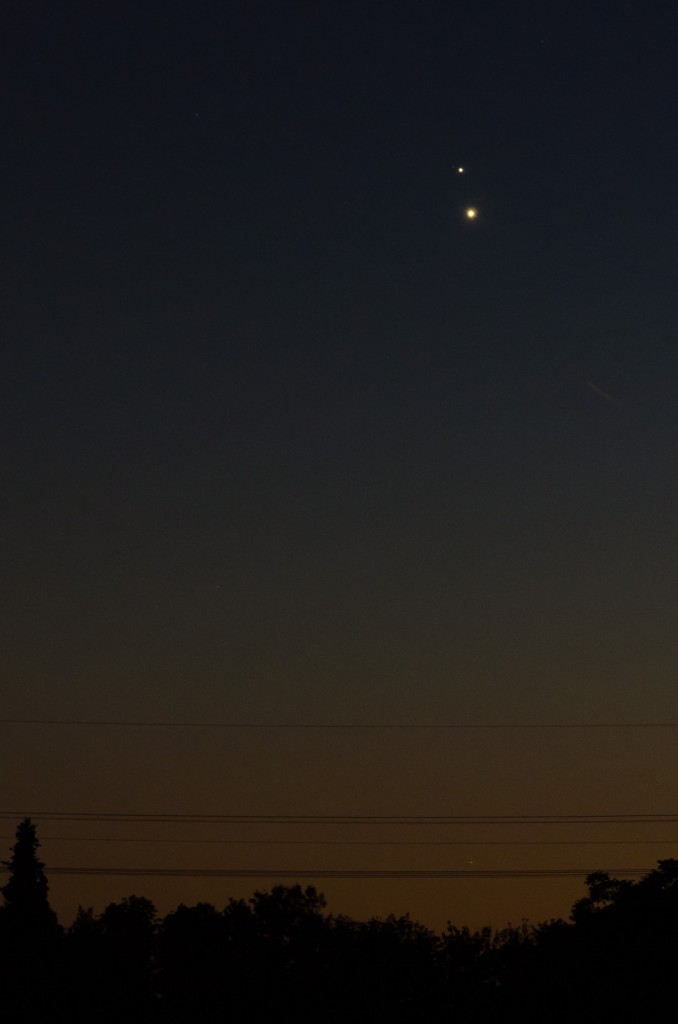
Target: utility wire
(150, 816)
(347, 819)
(361, 842)
(145, 724)
(329, 873)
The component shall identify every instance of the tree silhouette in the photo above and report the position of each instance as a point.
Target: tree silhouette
(278, 956)
(629, 931)
(197, 979)
(27, 908)
(29, 934)
(128, 936)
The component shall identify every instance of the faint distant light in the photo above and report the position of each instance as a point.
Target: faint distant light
(471, 213)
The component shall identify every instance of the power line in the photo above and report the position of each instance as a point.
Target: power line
(340, 873)
(346, 819)
(359, 842)
(374, 726)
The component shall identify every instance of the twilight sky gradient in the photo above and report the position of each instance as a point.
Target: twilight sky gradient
(286, 439)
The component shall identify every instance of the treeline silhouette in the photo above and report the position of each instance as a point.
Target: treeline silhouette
(279, 955)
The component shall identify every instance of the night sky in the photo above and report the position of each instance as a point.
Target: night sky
(287, 440)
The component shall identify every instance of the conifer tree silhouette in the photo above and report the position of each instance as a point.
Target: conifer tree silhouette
(27, 908)
(30, 937)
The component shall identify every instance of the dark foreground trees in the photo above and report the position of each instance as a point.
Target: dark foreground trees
(30, 937)
(110, 963)
(279, 955)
